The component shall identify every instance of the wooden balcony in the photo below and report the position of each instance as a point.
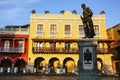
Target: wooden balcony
(12, 50)
(69, 51)
(106, 51)
(56, 50)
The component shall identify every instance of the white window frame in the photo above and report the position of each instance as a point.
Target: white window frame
(97, 34)
(21, 48)
(81, 34)
(70, 32)
(68, 44)
(53, 33)
(7, 46)
(40, 33)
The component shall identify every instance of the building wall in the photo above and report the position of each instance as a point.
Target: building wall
(114, 33)
(15, 55)
(61, 20)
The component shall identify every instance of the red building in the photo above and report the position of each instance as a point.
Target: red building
(13, 52)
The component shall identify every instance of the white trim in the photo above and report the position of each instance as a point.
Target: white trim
(59, 16)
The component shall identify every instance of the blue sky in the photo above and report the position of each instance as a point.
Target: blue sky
(17, 12)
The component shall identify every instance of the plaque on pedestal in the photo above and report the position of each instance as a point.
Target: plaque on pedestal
(87, 58)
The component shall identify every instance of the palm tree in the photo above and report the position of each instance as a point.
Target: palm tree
(74, 12)
(47, 12)
(33, 11)
(62, 11)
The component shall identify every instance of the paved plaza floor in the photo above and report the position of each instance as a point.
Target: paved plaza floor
(47, 77)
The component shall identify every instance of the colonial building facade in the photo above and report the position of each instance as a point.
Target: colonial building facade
(13, 48)
(53, 43)
(114, 33)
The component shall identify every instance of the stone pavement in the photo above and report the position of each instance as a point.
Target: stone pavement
(46, 77)
(36, 78)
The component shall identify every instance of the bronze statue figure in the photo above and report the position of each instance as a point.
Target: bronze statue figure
(87, 22)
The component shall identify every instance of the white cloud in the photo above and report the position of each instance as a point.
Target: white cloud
(11, 13)
(17, 3)
(14, 11)
(5, 2)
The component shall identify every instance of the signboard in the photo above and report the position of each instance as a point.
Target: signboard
(88, 58)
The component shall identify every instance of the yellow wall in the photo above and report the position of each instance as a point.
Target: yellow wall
(60, 20)
(113, 32)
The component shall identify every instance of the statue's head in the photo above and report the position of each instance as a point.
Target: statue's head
(83, 6)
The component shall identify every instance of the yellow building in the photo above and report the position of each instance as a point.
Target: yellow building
(114, 33)
(53, 42)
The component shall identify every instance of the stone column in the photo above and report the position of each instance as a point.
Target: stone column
(87, 60)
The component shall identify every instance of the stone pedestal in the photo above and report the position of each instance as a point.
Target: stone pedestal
(87, 60)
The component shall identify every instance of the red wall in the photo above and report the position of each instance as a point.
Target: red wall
(14, 56)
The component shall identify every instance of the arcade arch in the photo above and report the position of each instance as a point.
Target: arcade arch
(21, 65)
(39, 64)
(5, 64)
(99, 64)
(69, 64)
(54, 63)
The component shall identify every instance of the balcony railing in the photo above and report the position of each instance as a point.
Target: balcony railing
(14, 30)
(53, 34)
(52, 50)
(41, 33)
(71, 50)
(106, 50)
(67, 34)
(83, 34)
(12, 50)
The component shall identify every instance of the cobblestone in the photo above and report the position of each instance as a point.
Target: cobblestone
(47, 77)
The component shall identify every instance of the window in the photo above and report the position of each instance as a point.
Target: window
(52, 45)
(39, 45)
(67, 31)
(67, 45)
(81, 31)
(6, 46)
(16, 29)
(118, 32)
(117, 67)
(24, 29)
(21, 46)
(40, 30)
(8, 29)
(96, 29)
(53, 30)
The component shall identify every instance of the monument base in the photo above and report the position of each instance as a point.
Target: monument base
(88, 60)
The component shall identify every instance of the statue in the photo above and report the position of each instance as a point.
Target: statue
(87, 22)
